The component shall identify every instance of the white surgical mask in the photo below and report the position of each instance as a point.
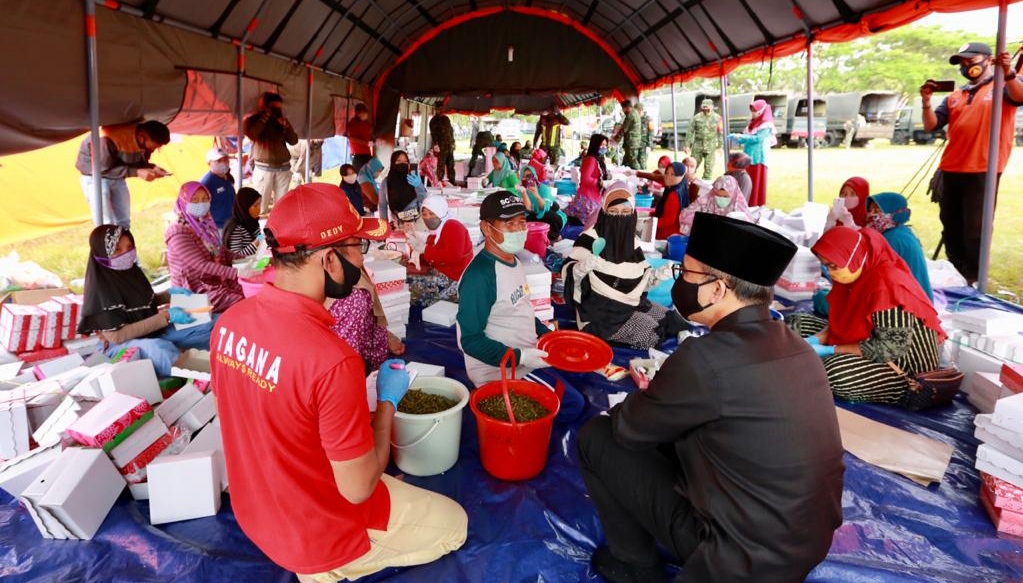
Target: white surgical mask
(514, 241)
(722, 201)
(219, 168)
(198, 209)
(124, 261)
(350, 179)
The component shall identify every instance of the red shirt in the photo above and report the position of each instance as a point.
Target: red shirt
(360, 135)
(452, 253)
(291, 397)
(668, 221)
(969, 121)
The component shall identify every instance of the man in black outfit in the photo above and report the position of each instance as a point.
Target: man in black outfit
(731, 459)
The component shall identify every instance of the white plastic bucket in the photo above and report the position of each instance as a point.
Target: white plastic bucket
(427, 445)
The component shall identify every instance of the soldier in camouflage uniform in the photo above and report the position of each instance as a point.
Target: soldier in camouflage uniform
(443, 136)
(630, 136)
(704, 137)
(548, 134)
(647, 135)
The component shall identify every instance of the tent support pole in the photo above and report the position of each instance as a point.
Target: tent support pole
(809, 119)
(241, 117)
(309, 128)
(92, 73)
(674, 124)
(724, 114)
(991, 179)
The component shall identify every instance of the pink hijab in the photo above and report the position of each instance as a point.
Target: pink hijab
(203, 227)
(762, 116)
(707, 203)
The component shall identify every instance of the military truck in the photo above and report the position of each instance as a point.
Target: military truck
(878, 108)
(687, 103)
(909, 126)
(795, 132)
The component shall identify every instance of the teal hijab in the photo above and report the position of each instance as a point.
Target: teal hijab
(369, 169)
(499, 176)
(899, 235)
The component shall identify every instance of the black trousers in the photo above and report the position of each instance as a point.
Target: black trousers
(635, 496)
(962, 219)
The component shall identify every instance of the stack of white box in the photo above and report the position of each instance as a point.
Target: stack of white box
(799, 280)
(539, 279)
(389, 279)
(982, 341)
(1000, 456)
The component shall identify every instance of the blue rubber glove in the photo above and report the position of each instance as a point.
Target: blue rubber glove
(813, 340)
(414, 180)
(392, 382)
(179, 291)
(598, 246)
(823, 351)
(179, 316)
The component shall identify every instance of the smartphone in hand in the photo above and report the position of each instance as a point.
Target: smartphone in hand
(943, 86)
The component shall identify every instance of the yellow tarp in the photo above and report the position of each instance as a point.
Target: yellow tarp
(40, 191)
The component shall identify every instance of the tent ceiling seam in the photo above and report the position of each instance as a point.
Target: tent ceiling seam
(215, 29)
(279, 29)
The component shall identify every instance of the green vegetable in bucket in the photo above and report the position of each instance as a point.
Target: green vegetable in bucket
(417, 402)
(524, 408)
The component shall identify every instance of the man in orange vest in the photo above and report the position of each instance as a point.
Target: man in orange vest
(967, 113)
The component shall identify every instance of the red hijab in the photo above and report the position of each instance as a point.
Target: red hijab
(885, 283)
(862, 188)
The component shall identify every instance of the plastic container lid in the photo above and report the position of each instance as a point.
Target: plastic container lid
(573, 351)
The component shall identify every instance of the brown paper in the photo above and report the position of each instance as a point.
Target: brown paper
(919, 458)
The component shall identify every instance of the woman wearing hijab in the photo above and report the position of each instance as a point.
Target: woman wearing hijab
(888, 213)
(197, 259)
(850, 208)
(351, 188)
(607, 278)
(737, 168)
(878, 315)
(122, 309)
(444, 249)
(502, 176)
(538, 162)
(656, 176)
(402, 192)
(241, 231)
(586, 203)
(756, 140)
(367, 180)
(540, 203)
(724, 198)
(512, 162)
(674, 200)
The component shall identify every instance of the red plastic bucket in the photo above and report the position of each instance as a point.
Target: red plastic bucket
(251, 287)
(536, 238)
(510, 450)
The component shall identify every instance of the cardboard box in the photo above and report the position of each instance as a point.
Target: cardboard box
(9, 370)
(200, 414)
(183, 487)
(104, 423)
(396, 317)
(44, 520)
(21, 327)
(1005, 521)
(383, 271)
(442, 313)
(545, 314)
(78, 490)
(1008, 413)
(18, 473)
(137, 379)
(41, 354)
(1011, 376)
(52, 323)
(194, 365)
(85, 346)
(999, 465)
(134, 472)
(139, 491)
(32, 297)
(132, 446)
(89, 387)
(14, 428)
(988, 322)
(179, 403)
(1005, 441)
(401, 298)
(1002, 494)
(398, 330)
(209, 439)
(67, 413)
(57, 366)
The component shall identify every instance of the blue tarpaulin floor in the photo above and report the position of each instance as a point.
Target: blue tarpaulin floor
(544, 529)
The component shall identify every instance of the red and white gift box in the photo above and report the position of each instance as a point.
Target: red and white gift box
(115, 413)
(134, 471)
(1002, 494)
(1012, 377)
(54, 323)
(72, 305)
(21, 327)
(797, 286)
(1005, 520)
(540, 303)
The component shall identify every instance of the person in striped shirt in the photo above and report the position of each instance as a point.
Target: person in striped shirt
(241, 231)
(879, 316)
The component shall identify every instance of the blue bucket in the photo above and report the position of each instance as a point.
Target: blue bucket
(676, 247)
(566, 187)
(644, 201)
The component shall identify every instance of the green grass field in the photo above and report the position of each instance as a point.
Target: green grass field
(886, 167)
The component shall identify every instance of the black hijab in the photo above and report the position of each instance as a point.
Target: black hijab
(399, 192)
(243, 201)
(113, 298)
(594, 150)
(619, 234)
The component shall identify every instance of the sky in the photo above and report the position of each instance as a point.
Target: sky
(983, 22)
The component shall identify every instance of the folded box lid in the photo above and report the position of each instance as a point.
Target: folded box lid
(114, 408)
(1009, 412)
(382, 271)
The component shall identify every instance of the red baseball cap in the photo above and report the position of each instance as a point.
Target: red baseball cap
(318, 215)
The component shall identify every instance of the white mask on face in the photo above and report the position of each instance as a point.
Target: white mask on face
(219, 168)
(851, 202)
(350, 178)
(198, 209)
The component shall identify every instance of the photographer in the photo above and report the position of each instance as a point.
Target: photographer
(270, 133)
(967, 113)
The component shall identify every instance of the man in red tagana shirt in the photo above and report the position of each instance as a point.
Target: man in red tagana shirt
(304, 459)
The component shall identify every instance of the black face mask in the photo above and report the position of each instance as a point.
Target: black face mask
(400, 168)
(972, 72)
(685, 297)
(335, 290)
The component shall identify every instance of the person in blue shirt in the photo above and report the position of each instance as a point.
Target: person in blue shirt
(220, 184)
(888, 213)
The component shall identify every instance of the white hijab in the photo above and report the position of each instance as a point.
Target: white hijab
(438, 205)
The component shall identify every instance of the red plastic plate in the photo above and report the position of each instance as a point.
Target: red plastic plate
(573, 351)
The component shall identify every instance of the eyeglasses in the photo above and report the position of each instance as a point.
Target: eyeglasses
(363, 246)
(678, 270)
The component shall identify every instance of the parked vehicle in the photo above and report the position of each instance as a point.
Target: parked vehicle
(909, 126)
(796, 122)
(878, 108)
(739, 113)
(686, 104)
(1019, 127)
(509, 129)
